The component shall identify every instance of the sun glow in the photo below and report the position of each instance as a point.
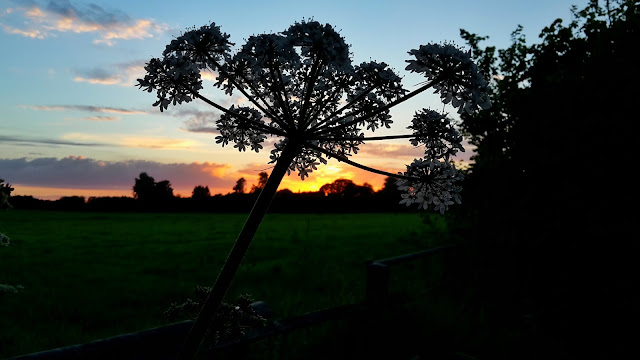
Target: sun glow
(327, 174)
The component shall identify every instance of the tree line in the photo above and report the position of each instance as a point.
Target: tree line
(342, 195)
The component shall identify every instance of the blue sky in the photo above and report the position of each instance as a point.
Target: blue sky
(73, 123)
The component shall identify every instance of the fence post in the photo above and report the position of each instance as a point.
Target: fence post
(377, 283)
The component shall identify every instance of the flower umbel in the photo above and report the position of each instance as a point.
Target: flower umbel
(435, 183)
(461, 84)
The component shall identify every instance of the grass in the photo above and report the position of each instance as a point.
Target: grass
(93, 275)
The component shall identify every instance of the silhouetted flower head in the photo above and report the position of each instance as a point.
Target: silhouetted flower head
(304, 90)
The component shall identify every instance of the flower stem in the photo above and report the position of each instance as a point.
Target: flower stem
(207, 314)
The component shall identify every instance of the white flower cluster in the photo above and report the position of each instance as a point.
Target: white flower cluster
(435, 183)
(175, 78)
(4, 240)
(436, 132)
(238, 129)
(460, 83)
(320, 41)
(203, 46)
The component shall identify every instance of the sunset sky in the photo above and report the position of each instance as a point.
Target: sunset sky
(73, 123)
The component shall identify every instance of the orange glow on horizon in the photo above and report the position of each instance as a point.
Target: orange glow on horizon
(324, 175)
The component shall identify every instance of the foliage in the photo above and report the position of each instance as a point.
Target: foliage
(235, 318)
(540, 195)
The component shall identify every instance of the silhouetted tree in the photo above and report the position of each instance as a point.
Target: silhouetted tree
(239, 187)
(346, 188)
(143, 189)
(262, 181)
(163, 190)
(389, 188)
(200, 193)
(147, 190)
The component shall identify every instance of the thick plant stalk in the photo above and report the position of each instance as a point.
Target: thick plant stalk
(207, 314)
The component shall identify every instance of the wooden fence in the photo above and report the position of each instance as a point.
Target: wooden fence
(164, 342)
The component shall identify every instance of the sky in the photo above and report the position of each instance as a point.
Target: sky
(72, 121)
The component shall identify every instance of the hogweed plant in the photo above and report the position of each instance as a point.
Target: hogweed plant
(303, 90)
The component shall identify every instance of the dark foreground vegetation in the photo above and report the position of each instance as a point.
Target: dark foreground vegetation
(544, 268)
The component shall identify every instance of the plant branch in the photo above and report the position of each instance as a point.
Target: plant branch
(271, 113)
(208, 312)
(256, 124)
(330, 122)
(380, 109)
(313, 74)
(358, 165)
(284, 103)
(370, 138)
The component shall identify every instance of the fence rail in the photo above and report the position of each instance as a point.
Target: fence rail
(164, 342)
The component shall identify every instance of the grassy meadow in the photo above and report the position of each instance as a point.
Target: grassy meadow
(93, 275)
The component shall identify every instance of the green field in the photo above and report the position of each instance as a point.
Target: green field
(93, 275)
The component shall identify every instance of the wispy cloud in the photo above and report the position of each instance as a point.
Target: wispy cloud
(199, 121)
(30, 141)
(140, 142)
(97, 118)
(103, 140)
(35, 19)
(405, 152)
(86, 108)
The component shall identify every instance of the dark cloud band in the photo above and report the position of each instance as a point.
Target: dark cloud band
(80, 172)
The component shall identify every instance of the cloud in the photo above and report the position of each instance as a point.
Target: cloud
(199, 121)
(86, 108)
(389, 150)
(98, 118)
(405, 152)
(125, 74)
(62, 16)
(84, 173)
(140, 142)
